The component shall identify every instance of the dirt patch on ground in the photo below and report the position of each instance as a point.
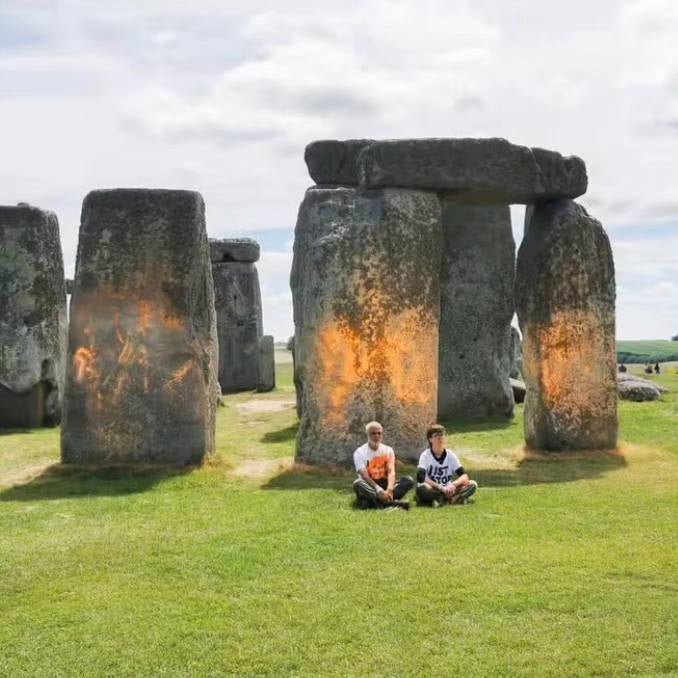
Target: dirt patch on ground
(262, 469)
(23, 476)
(257, 406)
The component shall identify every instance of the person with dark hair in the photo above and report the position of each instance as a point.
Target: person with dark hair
(622, 367)
(441, 479)
(656, 368)
(376, 486)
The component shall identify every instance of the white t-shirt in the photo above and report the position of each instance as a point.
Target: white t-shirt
(376, 462)
(440, 471)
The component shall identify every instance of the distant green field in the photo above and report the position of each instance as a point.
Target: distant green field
(647, 351)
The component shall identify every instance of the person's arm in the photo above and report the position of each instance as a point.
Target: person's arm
(391, 476)
(362, 472)
(461, 481)
(423, 478)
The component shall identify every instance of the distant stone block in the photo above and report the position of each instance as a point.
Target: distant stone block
(266, 364)
(244, 250)
(335, 162)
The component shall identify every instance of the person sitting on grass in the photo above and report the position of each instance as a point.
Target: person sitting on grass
(376, 485)
(441, 479)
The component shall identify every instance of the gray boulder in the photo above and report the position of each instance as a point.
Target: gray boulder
(565, 297)
(476, 307)
(334, 162)
(473, 170)
(142, 379)
(245, 250)
(365, 287)
(266, 364)
(239, 324)
(516, 354)
(519, 389)
(638, 390)
(32, 317)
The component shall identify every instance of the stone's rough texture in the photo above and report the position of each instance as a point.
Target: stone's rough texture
(633, 387)
(365, 287)
(266, 364)
(69, 286)
(519, 389)
(32, 317)
(476, 307)
(516, 354)
(565, 296)
(239, 327)
(244, 250)
(473, 170)
(334, 162)
(142, 362)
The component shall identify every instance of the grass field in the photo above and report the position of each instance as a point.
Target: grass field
(647, 351)
(563, 566)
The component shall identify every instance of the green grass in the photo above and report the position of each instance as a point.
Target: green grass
(563, 566)
(647, 351)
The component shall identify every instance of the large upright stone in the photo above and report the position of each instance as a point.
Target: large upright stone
(473, 170)
(141, 380)
(330, 161)
(266, 364)
(565, 294)
(476, 307)
(32, 317)
(239, 324)
(516, 354)
(365, 286)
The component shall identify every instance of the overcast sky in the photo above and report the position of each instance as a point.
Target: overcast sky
(222, 97)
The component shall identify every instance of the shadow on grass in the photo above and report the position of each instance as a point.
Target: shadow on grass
(534, 469)
(284, 435)
(61, 481)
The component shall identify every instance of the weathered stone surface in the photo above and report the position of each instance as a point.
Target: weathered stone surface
(69, 286)
(565, 296)
(519, 389)
(141, 380)
(633, 387)
(239, 325)
(334, 162)
(638, 390)
(365, 286)
(245, 250)
(476, 307)
(32, 317)
(473, 170)
(516, 354)
(266, 364)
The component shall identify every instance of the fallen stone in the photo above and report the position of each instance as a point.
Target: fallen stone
(334, 162)
(33, 327)
(266, 364)
(476, 307)
(473, 170)
(565, 297)
(365, 287)
(237, 298)
(142, 362)
(516, 354)
(638, 390)
(519, 389)
(623, 377)
(244, 250)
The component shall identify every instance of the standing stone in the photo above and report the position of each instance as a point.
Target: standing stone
(330, 161)
(565, 294)
(239, 323)
(476, 307)
(516, 354)
(245, 250)
(365, 287)
(141, 378)
(266, 364)
(32, 317)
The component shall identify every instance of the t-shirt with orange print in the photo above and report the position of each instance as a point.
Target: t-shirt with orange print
(377, 462)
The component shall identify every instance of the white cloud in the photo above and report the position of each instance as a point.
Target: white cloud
(222, 97)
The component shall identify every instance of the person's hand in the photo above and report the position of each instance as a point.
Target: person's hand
(449, 490)
(386, 496)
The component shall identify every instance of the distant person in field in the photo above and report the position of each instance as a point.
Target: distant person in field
(441, 479)
(376, 485)
(622, 368)
(656, 368)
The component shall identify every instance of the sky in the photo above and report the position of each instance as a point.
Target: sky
(222, 97)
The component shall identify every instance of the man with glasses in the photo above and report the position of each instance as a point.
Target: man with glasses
(376, 485)
(441, 479)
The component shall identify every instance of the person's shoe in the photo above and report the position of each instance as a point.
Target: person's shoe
(365, 504)
(435, 503)
(464, 495)
(399, 503)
